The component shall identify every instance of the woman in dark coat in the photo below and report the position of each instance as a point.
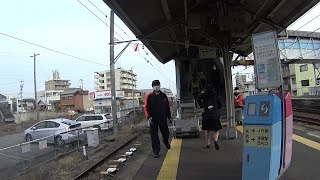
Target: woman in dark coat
(211, 104)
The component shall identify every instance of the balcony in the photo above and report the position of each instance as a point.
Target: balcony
(62, 83)
(286, 74)
(292, 70)
(286, 87)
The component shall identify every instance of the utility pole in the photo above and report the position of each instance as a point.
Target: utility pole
(21, 89)
(35, 84)
(81, 80)
(46, 100)
(133, 94)
(112, 74)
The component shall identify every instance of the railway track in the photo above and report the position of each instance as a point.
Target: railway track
(311, 116)
(92, 168)
(306, 120)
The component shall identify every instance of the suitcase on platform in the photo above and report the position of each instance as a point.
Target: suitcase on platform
(238, 115)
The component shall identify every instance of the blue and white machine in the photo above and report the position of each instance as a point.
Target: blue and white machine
(262, 133)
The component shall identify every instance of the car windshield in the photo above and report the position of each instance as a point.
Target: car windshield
(108, 116)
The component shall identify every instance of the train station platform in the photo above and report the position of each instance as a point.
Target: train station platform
(189, 160)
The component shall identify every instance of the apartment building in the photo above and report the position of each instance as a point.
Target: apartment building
(302, 79)
(125, 80)
(53, 89)
(57, 84)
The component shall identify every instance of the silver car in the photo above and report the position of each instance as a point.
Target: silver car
(59, 131)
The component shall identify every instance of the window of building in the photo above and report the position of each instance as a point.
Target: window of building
(294, 81)
(303, 68)
(305, 83)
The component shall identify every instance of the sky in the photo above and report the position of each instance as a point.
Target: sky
(66, 26)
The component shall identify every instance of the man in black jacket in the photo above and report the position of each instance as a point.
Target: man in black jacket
(157, 111)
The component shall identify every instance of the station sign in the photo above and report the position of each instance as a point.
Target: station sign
(105, 95)
(267, 60)
(257, 136)
(206, 52)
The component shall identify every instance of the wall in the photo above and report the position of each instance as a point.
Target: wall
(22, 117)
(66, 102)
(306, 75)
(87, 103)
(78, 102)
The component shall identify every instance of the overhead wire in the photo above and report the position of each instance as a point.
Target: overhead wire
(298, 57)
(92, 13)
(304, 14)
(49, 49)
(9, 83)
(130, 38)
(121, 36)
(308, 22)
(119, 28)
(302, 27)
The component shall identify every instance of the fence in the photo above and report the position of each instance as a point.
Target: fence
(41, 148)
(306, 91)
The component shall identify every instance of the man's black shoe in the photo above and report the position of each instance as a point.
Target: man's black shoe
(156, 155)
(168, 145)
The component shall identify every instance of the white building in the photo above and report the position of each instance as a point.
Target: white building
(126, 80)
(47, 97)
(249, 88)
(240, 81)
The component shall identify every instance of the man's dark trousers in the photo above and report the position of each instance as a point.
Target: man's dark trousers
(154, 125)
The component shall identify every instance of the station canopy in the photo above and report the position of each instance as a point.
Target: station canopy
(177, 29)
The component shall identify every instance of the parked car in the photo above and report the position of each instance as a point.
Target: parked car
(59, 131)
(100, 121)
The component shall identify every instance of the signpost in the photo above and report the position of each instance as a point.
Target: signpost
(268, 70)
(267, 60)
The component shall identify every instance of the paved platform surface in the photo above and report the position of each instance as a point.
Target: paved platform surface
(188, 160)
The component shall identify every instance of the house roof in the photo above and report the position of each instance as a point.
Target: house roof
(72, 91)
(28, 100)
(2, 97)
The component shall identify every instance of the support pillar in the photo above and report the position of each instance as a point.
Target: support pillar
(231, 129)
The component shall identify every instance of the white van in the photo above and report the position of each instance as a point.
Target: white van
(100, 121)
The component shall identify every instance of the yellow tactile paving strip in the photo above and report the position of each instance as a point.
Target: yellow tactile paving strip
(306, 142)
(302, 140)
(170, 164)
